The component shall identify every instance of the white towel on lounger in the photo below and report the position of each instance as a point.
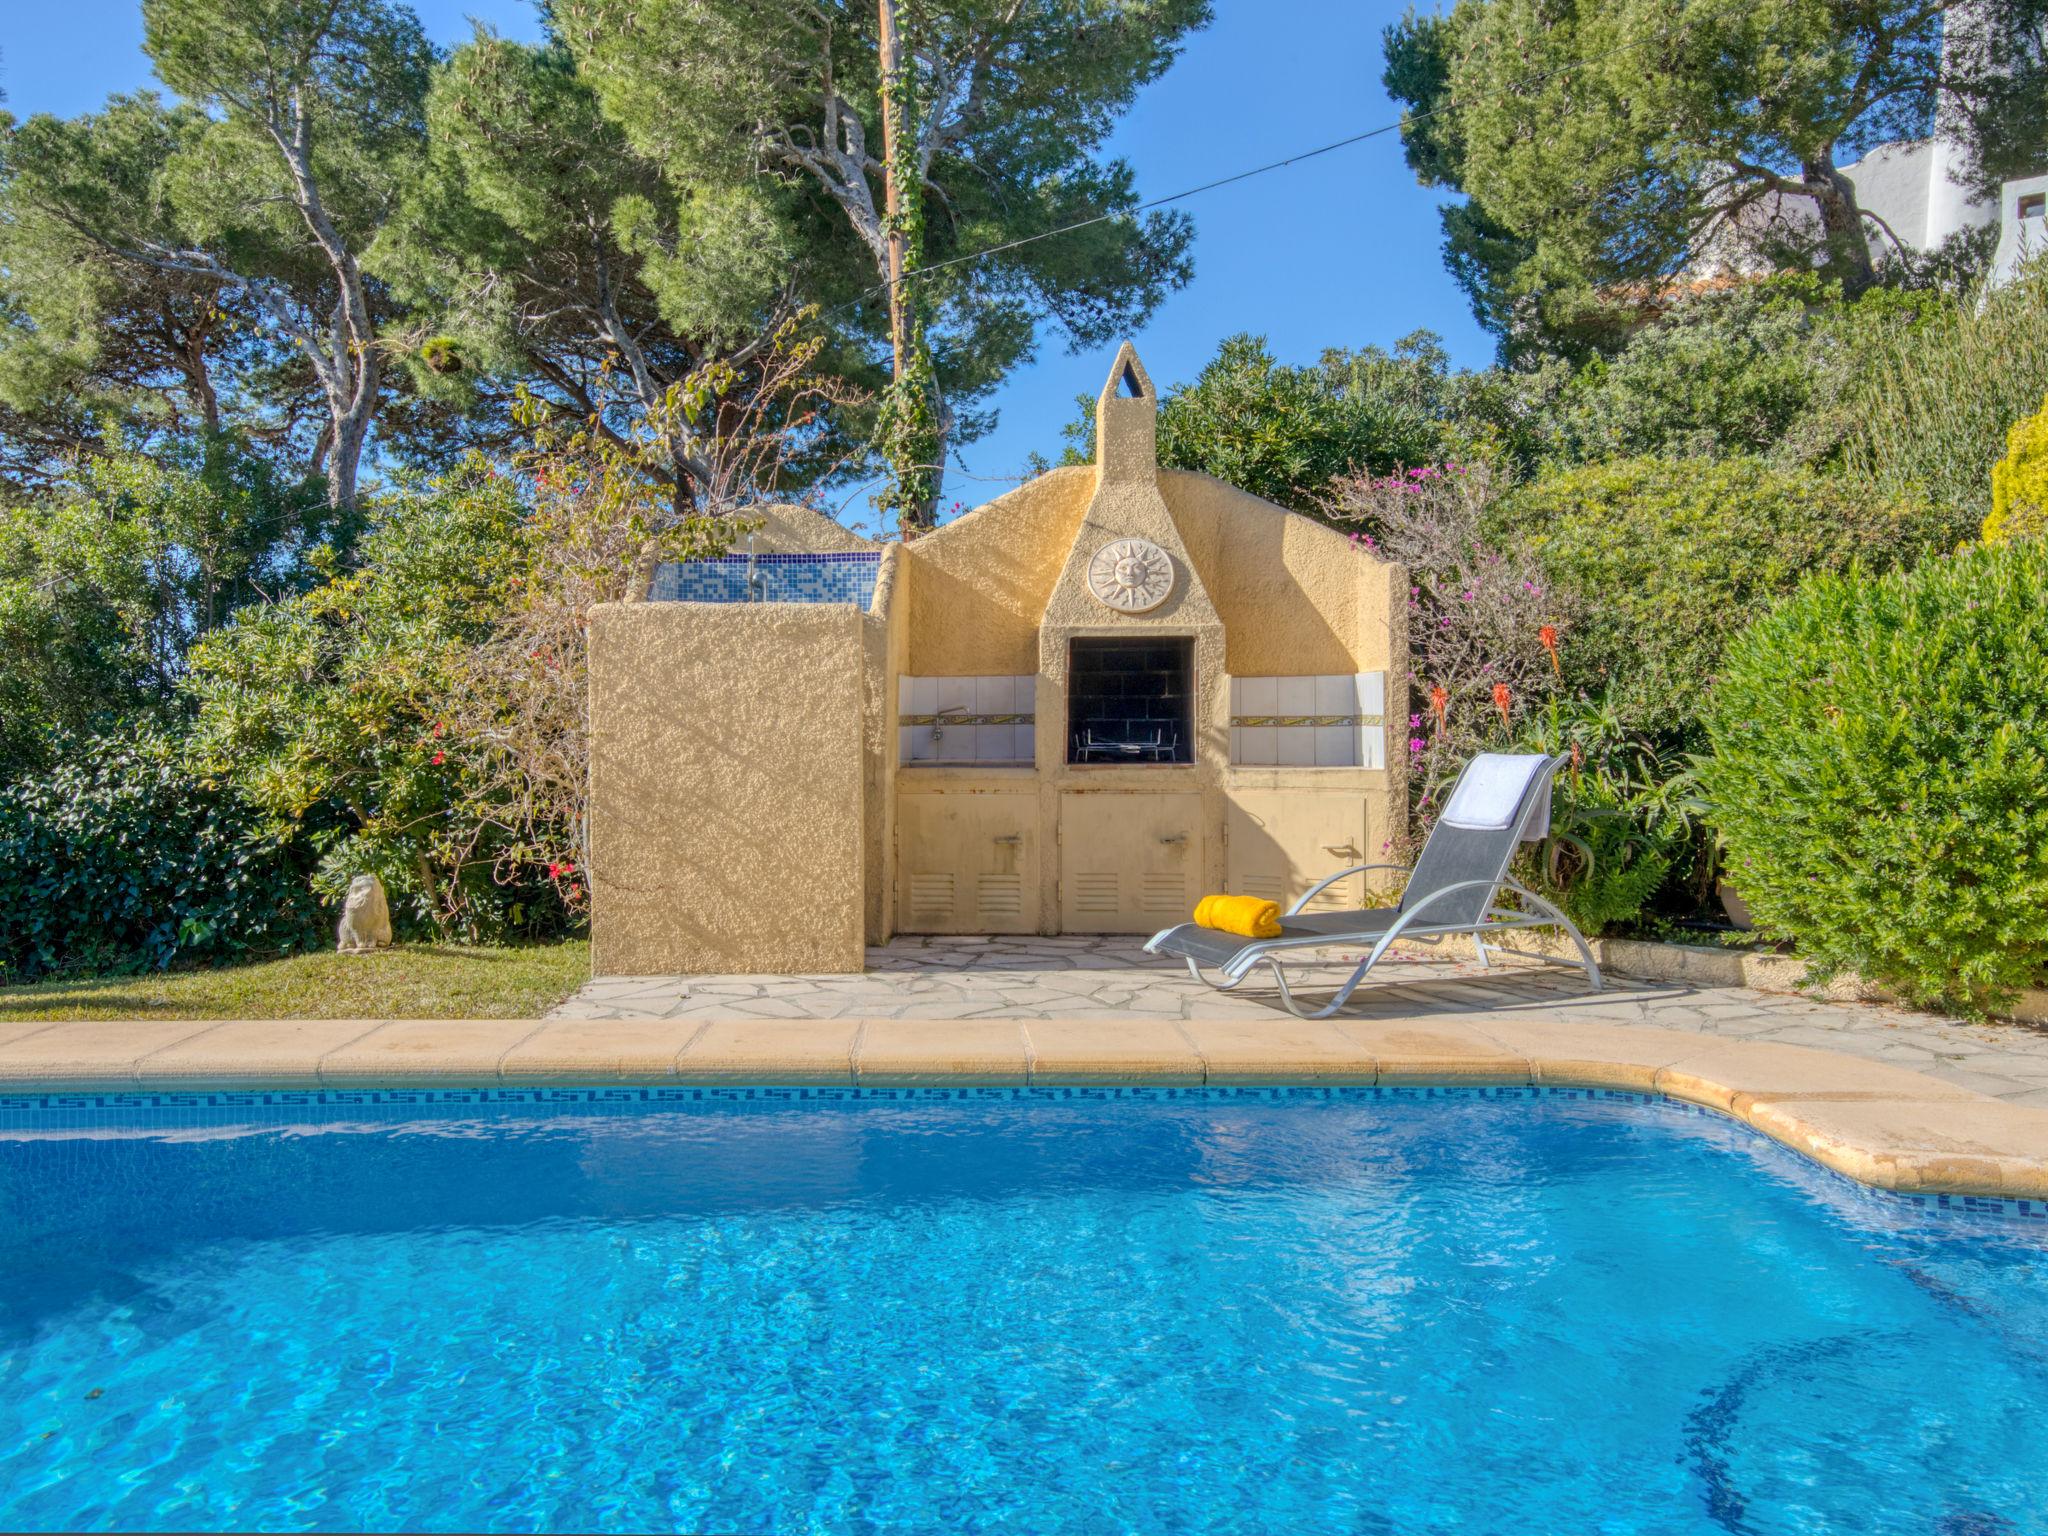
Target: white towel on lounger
(1491, 787)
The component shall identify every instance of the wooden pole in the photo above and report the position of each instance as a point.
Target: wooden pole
(899, 326)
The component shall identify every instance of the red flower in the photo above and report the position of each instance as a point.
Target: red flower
(440, 728)
(440, 758)
(1439, 704)
(576, 892)
(1548, 635)
(1501, 700)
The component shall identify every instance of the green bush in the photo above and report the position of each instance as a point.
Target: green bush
(1724, 372)
(2019, 483)
(1937, 392)
(1621, 818)
(1880, 774)
(1669, 558)
(321, 710)
(118, 859)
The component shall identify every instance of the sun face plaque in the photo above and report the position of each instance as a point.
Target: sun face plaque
(1131, 575)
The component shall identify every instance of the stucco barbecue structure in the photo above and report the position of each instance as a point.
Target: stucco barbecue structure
(1073, 710)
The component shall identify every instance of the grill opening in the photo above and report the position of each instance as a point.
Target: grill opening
(1130, 700)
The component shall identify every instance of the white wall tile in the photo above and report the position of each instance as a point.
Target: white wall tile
(995, 743)
(1260, 696)
(1024, 690)
(994, 696)
(1258, 745)
(921, 743)
(1372, 693)
(1372, 746)
(1336, 695)
(956, 744)
(1297, 696)
(1236, 694)
(924, 695)
(906, 735)
(956, 693)
(1337, 745)
(1027, 743)
(1297, 745)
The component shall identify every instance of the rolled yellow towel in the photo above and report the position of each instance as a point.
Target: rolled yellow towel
(1248, 917)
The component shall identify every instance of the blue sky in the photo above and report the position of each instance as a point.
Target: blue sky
(1341, 251)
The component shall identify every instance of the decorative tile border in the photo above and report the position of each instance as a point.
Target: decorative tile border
(952, 720)
(28, 1113)
(1307, 720)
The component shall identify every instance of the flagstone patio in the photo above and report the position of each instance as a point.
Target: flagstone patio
(1109, 978)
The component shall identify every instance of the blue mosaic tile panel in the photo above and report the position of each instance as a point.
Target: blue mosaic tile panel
(840, 578)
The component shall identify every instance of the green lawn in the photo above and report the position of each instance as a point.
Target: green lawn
(412, 981)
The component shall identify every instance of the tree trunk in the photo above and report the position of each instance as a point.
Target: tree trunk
(351, 430)
(1841, 221)
(892, 221)
(199, 375)
(914, 415)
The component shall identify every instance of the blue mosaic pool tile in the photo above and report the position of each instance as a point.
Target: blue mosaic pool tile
(840, 578)
(31, 1113)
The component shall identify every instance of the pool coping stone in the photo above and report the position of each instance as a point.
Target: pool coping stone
(1879, 1124)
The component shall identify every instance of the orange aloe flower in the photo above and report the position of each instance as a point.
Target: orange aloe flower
(1439, 704)
(1501, 700)
(1548, 635)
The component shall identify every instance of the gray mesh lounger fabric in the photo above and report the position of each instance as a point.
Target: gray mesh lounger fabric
(1210, 947)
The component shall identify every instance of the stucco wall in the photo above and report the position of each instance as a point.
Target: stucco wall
(728, 759)
(787, 529)
(886, 637)
(980, 584)
(1295, 596)
(1289, 590)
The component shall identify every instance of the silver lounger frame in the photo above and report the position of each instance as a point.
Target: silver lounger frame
(1539, 912)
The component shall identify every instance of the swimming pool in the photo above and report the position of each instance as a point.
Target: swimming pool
(1156, 1310)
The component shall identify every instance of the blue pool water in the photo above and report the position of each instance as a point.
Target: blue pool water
(1065, 1311)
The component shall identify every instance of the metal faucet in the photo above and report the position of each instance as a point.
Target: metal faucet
(757, 579)
(939, 724)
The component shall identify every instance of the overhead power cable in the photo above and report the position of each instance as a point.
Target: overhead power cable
(1538, 77)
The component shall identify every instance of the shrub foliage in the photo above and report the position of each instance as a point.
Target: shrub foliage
(118, 859)
(2019, 483)
(1668, 559)
(1880, 774)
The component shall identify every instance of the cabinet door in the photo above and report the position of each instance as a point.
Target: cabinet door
(1129, 863)
(1281, 842)
(967, 863)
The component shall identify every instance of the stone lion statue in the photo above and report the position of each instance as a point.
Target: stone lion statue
(365, 917)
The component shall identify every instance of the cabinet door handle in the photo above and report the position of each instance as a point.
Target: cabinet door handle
(1178, 837)
(1340, 849)
(1012, 838)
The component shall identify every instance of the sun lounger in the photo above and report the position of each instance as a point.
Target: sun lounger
(1454, 890)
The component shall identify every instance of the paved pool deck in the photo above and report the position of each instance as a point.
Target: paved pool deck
(1898, 1100)
(1114, 979)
